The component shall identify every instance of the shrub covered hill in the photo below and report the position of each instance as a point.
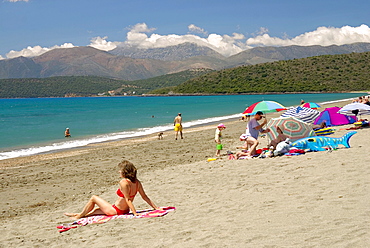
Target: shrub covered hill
(56, 86)
(69, 86)
(326, 73)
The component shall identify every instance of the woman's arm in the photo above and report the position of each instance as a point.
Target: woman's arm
(145, 197)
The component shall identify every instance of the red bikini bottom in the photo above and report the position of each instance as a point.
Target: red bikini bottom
(119, 211)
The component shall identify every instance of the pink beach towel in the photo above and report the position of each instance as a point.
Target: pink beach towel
(99, 219)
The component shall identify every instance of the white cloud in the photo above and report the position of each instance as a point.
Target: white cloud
(1, 57)
(13, 1)
(224, 44)
(195, 29)
(262, 31)
(35, 51)
(102, 43)
(141, 36)
(324, 36)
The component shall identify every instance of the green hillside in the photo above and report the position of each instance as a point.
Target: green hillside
(56, 86)
(89, 85)
(168, 80)
(327, 73)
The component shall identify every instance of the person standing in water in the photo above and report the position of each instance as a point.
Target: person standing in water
(177, 122)
(67, 134)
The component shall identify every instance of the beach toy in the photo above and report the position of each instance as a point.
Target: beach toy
(317, 143)
(211, 159)
(358, 124)
(219, 146)
(324, 131)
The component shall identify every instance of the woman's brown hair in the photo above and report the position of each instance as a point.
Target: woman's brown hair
(128, 170)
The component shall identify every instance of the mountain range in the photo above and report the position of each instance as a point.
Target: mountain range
(131, 63)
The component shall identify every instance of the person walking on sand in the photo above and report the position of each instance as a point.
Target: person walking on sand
(218, 136)
(128, 188)
(177, 122)
(253, 130)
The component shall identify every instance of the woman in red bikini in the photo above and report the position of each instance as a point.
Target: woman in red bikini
(128, 188)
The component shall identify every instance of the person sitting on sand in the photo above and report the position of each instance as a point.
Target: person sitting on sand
(244, 147)
(281, 137)
(321, 126)
(128, 188)
(366, 100)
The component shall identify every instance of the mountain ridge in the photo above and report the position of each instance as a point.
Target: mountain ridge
(88, 61)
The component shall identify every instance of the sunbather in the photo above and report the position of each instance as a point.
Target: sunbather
(128, 188)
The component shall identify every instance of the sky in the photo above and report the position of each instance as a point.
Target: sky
(32, 27)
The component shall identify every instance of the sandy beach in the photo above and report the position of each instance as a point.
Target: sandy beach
(320, 199)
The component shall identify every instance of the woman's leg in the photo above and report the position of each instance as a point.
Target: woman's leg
(104, 208)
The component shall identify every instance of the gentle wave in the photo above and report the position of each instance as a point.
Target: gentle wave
(341, 100)
(104, 138)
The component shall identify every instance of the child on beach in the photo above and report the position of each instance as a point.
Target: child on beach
(218, 136)
(128, 188)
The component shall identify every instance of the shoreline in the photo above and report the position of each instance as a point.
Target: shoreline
(50, 149)
(204, 94)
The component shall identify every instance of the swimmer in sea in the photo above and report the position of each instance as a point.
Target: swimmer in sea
(67, 134)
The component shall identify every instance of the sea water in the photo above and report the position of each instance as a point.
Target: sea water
(36, 125)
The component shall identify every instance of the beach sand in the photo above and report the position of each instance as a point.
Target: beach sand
(320, 199)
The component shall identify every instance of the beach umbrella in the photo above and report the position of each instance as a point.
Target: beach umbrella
(292, 127)
(355, 109)
(265, 107)
(304, 114)
(311, 105)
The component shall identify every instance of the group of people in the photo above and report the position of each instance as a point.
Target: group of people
(177, 122)
(250, 137)
(128, 187)
(362, 99)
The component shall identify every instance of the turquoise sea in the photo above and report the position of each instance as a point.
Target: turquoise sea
(36, 125)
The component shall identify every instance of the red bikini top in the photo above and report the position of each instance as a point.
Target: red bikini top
(120, 194)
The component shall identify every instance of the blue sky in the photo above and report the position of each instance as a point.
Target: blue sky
(31, 27)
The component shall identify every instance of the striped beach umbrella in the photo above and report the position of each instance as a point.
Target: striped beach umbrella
(311, 105)
(265, 107)
(292, 127)
(304, 114)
